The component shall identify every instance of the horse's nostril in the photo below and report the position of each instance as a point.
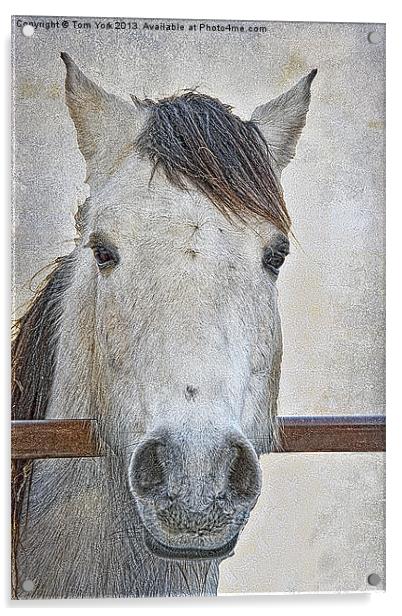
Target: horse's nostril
(147, 472)
(244, 473)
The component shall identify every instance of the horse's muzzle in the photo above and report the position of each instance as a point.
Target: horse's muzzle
(194, 498)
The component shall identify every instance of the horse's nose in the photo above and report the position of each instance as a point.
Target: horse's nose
(192, 471)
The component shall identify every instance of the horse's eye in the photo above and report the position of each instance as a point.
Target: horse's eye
(274, 257)
(105, 256)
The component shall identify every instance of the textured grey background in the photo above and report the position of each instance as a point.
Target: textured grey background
(319, 522)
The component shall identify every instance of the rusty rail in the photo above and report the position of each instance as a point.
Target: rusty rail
(71, 438)
(332, 433)
(54, 438)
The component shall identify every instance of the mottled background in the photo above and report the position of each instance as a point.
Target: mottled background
(318, 525)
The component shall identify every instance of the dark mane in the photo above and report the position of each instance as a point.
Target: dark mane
(33, 358)
(196, 138)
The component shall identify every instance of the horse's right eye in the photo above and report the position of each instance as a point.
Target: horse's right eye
(274, 256)
(105, 257)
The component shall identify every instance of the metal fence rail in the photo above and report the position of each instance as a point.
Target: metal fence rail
(77, 438)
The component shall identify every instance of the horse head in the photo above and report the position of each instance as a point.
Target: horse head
(180, 246)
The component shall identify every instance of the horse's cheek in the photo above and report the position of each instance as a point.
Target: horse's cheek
(113, 333)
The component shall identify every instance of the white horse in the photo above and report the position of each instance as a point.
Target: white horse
(163, 324)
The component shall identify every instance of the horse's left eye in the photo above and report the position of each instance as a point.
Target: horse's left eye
(274, 257)
(105, 257)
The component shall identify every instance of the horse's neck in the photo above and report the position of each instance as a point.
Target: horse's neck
(83, 535)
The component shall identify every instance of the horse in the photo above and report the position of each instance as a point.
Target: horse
(163, 325)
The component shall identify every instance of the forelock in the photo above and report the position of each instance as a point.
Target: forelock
(197, 139)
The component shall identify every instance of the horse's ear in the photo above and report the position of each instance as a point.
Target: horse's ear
(282, 120)
(106, 125)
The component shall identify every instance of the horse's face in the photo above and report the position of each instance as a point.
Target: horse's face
(189, 344)
(187, 341)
